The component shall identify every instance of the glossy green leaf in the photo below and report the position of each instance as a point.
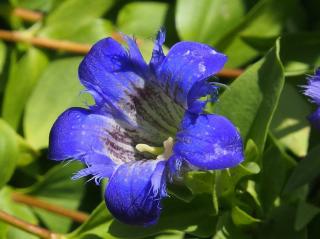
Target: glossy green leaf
(3, 52)
(289, 124)
(276, 166)
(86, 32)
(242, 218)
(199, 182)
(225, 229)
(193, 217)
(18, 210)
(75, 10)
(23, 77)
(97, 224)
(142, 18)
(78, 20)
(305, 213)
(57, 89)
(56, 187)
(36, 4)
(9, 152)
(207, 21)
(252, 98)
(300, 53)
(263, 21)
(305, 172)
(281, 225)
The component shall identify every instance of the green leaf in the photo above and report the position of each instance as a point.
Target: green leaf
(18, 210)
(96, 224)
(305, 213)
(57, 188)
(3, 53)
(45, 6)
(241, 218)
(75, 10)
(305, 172)
(226, 229)
(300, 53)
(57, 89)
(193, 218)
(263, 21)
(86, 31)
(23, 77)
(207, 21)
(281, 225)
(199, 182)
(252, 98)
(276, 166)
(289, 124)
(142, 18)
(9, 152)
(78, 20)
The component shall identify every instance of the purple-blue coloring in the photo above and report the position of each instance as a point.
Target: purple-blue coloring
(312, 90)
(148, 122)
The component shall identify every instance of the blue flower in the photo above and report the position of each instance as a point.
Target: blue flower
(146, 124)
(312, 89)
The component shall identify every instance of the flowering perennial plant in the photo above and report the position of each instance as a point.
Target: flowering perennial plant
(147, 124)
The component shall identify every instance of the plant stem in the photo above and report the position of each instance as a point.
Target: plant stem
(15, 36)
(34, 202)
(230, 73)
(25, 226)
(27, 15)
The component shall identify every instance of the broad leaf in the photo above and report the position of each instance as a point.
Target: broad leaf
(253, 97)
(57, 188)
(9, 152)
(78, 20)
(290, 124)
(23, 77)
(207, 21)
(263, 21)
(18, 210)
(142, 19)
(305, 172)
(305, 213)
(57, 89)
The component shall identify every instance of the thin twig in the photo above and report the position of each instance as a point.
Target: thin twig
(34, 202)
(27, 15)
(78, 47)
(15, 36)
(25, 226)
(230, 73)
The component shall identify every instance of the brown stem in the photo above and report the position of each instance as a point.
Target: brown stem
(25, 226)
(230, 73)
(27, 15)
(79, 48)
(14, 36)
(34, 202)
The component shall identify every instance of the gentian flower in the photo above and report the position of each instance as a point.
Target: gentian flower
(312, 89)
(147, 123)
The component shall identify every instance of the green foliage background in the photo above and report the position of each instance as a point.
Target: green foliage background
(273, 194)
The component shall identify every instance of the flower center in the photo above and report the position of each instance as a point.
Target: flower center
(162, 153)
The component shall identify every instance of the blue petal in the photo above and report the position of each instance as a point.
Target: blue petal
(157, 53)
(110, 74)
(186, 64)
(78, 134)
(207, 142)
(312, 89)
(119, 82)
(314, 119)
(134, 192)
